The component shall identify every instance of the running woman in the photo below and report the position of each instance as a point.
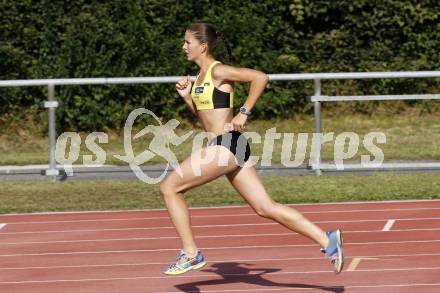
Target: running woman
(211, 99)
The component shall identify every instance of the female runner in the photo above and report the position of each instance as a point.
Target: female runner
(211, 100)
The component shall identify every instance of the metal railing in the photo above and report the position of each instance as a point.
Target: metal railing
(317, 99)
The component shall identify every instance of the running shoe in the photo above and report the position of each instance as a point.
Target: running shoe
(334, 250)
(184, 263)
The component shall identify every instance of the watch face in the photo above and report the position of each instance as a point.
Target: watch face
(244, 111)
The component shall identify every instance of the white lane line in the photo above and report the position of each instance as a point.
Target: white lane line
(383, 256)
(2, 226)
(215, 216)
(290, 234)
(210, 226)
(388, 225)
(231, 207)
(149, 238)
(211, 275)
(325, 288)
(212, 248)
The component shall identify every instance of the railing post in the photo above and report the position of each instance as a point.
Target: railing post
(317, 134)
(51, 104)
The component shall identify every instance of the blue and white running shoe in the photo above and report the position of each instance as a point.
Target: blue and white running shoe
(335, 250)
(185, 264)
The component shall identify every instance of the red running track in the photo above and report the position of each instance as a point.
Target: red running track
(390, 247)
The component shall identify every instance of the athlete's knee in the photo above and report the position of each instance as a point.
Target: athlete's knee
(169, 189)
(266, 210)
(166, 190)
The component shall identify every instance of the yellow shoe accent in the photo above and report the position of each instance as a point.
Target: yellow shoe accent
(177, 270)
(184, 264)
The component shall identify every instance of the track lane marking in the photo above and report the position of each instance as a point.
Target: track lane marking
(212, 248)
(326, 288)
(384, 256)
(210, 275)
(388, 225)
(199, 237)
(214, 226)
(2, 225)
(356, 261)
(214, 216)
(230, 207)
(360, 258)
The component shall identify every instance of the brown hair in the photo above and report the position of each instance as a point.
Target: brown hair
(207, 33)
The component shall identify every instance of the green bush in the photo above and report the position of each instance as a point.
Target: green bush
(79, 39)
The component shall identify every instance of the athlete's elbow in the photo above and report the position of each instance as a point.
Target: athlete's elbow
(259, 78)
(264, 78)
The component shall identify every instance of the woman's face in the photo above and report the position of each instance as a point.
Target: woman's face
(192, 47)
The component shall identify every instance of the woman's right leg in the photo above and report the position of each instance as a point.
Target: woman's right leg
(248, 184)
(246, 181)
(194, 172)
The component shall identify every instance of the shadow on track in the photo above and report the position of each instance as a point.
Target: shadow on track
(233, 272)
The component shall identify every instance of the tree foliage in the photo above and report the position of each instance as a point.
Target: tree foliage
(73, 39)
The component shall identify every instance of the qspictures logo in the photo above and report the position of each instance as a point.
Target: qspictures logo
(346, 146)
(163, 136)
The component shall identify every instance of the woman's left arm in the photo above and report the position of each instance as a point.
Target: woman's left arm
(257, 82)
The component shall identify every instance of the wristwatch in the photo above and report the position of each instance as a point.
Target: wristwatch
(245, 111)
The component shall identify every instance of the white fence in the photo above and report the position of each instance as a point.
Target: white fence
(317, 99)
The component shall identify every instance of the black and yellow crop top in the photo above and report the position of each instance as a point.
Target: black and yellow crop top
(206, 96)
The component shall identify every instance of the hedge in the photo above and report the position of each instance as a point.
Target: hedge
(73, 39)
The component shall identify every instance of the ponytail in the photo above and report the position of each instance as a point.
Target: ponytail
(221, 35)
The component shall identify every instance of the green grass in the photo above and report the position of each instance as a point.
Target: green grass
(409, 135)
(18, 197)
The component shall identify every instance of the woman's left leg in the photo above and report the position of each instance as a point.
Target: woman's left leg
(174, 186)
(247, 182)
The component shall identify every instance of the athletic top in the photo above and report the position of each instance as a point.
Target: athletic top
(206, 96)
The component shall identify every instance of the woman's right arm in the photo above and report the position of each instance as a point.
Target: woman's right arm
(183, 87)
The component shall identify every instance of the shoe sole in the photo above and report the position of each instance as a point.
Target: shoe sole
(196, 267)
(340, 244)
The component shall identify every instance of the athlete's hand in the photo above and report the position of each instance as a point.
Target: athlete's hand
(238, 121)
(183, 87)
